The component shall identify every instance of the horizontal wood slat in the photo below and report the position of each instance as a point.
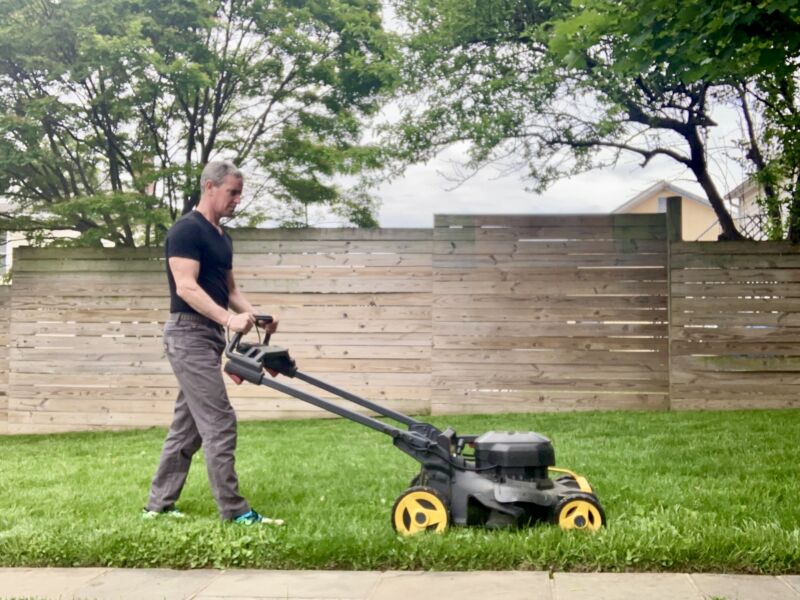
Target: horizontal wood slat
(444, 222)
(743, 247)
(352, 248)
(735, 335)
(547, 400)
(338, 234)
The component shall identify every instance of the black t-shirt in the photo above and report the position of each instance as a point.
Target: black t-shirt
(192, 236)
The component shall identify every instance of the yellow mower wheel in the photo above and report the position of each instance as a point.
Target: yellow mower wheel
(420, 509)
(579, 511)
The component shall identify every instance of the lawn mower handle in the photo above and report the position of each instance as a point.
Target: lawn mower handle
(233, 344)
(247, 362)
(237, 337)
(244, 360)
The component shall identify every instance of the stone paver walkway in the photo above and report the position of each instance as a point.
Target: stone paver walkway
(166, 584)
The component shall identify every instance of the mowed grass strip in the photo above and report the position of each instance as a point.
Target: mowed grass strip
(692, 491)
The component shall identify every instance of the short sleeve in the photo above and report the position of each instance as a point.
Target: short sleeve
(183, 241)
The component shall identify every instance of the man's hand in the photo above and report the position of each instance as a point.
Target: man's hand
(241, 323)
(269, 327)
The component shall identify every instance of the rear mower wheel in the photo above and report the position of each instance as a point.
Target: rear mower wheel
(420, 509)
(579, 511)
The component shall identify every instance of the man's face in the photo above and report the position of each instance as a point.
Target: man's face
(226, 196)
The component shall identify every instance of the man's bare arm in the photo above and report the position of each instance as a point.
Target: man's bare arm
(239, 303)
(185, 272)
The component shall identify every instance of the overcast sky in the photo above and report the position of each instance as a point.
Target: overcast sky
(429, 189)
(426, 190)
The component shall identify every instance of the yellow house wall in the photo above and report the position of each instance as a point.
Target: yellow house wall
(696, 218)
(648, 206)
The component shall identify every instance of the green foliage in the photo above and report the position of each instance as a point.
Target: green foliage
(712, 491)
(110, 108)
(750, 49)
(709, 40)
(566, 87)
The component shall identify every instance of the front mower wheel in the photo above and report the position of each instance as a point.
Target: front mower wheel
(420, 509)
(579, 511)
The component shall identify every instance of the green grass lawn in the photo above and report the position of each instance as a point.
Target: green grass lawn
(713, 491)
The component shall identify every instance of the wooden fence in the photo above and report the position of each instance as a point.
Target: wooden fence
(86, 348)
(550, 313)
(480, 314)
(354, 308)
(735, 339)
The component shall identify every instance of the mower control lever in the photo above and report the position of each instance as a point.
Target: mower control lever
(248, 361)
(264, 320)
(237, 336)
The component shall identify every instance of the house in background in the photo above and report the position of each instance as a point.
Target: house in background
(699, 221)
(744, 198)
(746, 210)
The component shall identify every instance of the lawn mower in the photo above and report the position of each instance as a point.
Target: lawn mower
(496, 479)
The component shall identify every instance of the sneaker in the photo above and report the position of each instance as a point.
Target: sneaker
(170, 511)
(251, 517)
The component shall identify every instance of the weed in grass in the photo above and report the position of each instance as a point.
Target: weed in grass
(682, 492)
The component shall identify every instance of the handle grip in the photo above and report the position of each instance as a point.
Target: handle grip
(237, 337)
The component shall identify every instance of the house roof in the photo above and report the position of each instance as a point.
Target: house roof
(745, 188)
(661, 186)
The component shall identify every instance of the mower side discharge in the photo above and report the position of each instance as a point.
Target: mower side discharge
(497, 479)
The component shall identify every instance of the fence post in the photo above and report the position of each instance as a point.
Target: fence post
(674, 234)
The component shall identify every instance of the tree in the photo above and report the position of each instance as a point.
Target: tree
(109, 109)
(753, 48)
(565, 87)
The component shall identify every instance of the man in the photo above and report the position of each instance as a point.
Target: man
(199, 270)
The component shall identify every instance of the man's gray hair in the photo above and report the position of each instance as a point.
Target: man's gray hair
(217, 170)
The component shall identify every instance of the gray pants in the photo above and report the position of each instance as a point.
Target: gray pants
(203, 417)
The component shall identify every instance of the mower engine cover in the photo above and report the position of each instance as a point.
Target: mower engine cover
(514, 449)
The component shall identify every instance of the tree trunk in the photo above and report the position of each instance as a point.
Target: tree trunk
(794, 213)
(729, 231)
(189, 202)
(699, 167)
(763, 176)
